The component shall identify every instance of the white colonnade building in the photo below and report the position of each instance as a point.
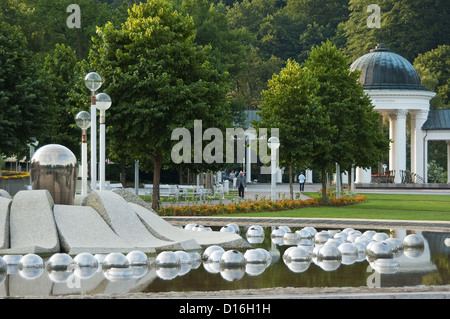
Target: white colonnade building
(395, 89)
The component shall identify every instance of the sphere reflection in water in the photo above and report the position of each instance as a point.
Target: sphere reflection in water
(349, 253)
(385, 265)
(329, 258)
(185, 262)
(232, 273)
(60, 267)
(31, 266)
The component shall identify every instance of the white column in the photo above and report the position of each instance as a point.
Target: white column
(102, 159)
(400, 144)
(309, 176)
(417, 143)
(363, 176)
(93, 143)
(392, 125)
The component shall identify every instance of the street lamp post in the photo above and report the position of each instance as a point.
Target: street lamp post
(274, 144)
(103, 103)
(93, 82)
(83, 121)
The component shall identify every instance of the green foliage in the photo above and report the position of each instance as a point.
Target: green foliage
(436, 173)
(158, 80)
(22, 93)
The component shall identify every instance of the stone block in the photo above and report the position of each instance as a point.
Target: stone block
(82, 229)
(125, 223)
(5, 206)
(32, 225)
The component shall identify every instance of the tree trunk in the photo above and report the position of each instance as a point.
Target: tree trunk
(291, 186)
(324, 185)
(157, 165)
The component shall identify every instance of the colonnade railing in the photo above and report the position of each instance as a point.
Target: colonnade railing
(407, 177)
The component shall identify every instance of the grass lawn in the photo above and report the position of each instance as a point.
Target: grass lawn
(377, 206)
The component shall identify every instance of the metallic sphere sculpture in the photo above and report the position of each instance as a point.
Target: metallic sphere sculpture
(61, 262)
(167, 259)
(137, 258)
(413, 241)
(254, 256)
(232, 258)
(208, 251)
(321, 237)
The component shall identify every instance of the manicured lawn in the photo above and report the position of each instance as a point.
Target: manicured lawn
(377, 206)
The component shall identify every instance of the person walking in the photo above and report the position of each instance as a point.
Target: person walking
(241, 184)
(232, 178)
(301, 181)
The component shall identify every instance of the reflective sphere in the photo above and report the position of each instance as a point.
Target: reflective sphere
(321, 237)
(100, 258)
(278, 232)
(304, 234)
(60, 261)
(235, 226)
(255, 231)
(86, 265)
(118, 273)
(115, 260)
(12, 260)
(413, 241)
(297, 254)
(333, 242)
(137, 258)
(93, 81)
(215, 256)
(379, 250)
(306, 245)
(83, 120)
(329, 253)
(196, 259)
(395, 244)
(227, 229)
(232, 258)
(208, 251)
(286, 228)
(255, 269)
(267, 255)
(290, 238)
(190, 226)
(297, 266)
(167, 259)
(349, 253)
(341, 235)
(31, 266)
(254, 256)
(167, 272)
(329, 265)
(184, 257)
(380, 236)
(369, 233)
(311, 229)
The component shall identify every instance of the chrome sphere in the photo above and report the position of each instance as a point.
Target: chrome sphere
(60, 261)
(341, 235)
(413, 241)
(196, 259)
(369, 233)
(379, 249)
(31, 266)
(255, 231)
(208, 251)
(278, 232)
(380, 236)
(297, 254)
(100, 258)
(227, 229)
(395, 244)
(329, 265)
(137, 258)
(311, 229)
(333, 242)
(286, 228)
(31, 261)
(321, 237)
(12, 260)
(86, 265)
(329, 253)
(254, 256)
(119, 274)
(232, 258)
(167, 272)
(235, 226)
(267, 255)
(352, 237)
(348, 230)
(215, 256)
(190, 226)
(184, 257)
(167, 259)
(307, 245)
(255, 269)
(290, 238)
(349, 253)
(304, 234)
(115, 260)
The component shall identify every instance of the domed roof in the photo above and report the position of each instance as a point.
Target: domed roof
(384, 69)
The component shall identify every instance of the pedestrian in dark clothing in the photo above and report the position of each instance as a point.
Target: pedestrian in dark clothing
(241, 184)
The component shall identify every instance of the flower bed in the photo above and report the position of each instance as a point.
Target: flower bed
(251, 206)
(12, 182)
(9, 175)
